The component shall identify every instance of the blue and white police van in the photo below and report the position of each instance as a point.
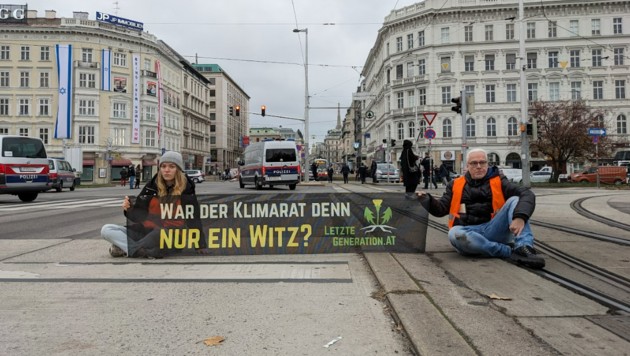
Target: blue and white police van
(270, 163)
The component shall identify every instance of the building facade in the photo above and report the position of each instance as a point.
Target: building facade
(426, 53)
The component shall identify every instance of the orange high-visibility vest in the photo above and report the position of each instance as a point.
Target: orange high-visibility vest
(458, 188)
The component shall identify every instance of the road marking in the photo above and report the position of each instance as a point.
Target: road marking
(64, 204)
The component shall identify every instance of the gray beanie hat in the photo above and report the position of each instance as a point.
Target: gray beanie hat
(173, 157)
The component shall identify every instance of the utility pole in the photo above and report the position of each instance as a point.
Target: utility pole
(524, 99)
(462, 99)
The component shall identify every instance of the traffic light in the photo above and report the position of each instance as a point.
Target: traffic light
(384, 140)
(238, 110)
(263, 108)
(393, 142)
(231, 110)
(458, 105)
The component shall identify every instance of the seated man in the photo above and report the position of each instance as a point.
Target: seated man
(488, 215)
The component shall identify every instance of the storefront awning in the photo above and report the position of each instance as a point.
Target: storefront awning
(148, 162)
(118, 162)
(88, 162)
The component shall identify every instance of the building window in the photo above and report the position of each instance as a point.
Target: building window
(596, 27)
(412, 129)
(25, 53)
(618, 56)
(574, 28)
(87, 107)
(552, 28)
(150, 113)
(24, 106)
(622, 125)
(5, 81)
(5, 53)
(421, 39)
(120, 59)
(86, 55)
(44, 80)
(44, 53)
(120, 110)
(617, 27)
(531, 30)
(598, 89)
(4, 107)
(399, 71)
(24, 79)
(86, 134)
(532, 91)
(469, 63)
(470, 127)
(447, 128)
(409, 69)
(491, 127)
(532, 58)
(147, 64)
(468, 33)
(470, 90)
(23, 131)
(512, 127)
(490, 93)
(43, 135)
(399, 44)
(87, 80)
(400, 101)
(445, 35)
(575, 58)
(422, 68)
(489, 61)
(489, 33)
(410, 41)
(510, 61)
(422, 96)
(400, 131)
(511, 93)
(553, 59)
(411, 98)
(596, 57)
(150, 138)
(576, 90)
(119, 137)
(446, 95)
(620, 89)
(44, 107)
(554, 91)
(445, 64)
(509, 31)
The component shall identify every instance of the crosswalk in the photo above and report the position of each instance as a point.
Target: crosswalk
(63, 204)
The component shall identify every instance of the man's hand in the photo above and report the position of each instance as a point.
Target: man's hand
(421, 194)
(517, 226)
(126, 203)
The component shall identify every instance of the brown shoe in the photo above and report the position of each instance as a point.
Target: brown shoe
(116, 251)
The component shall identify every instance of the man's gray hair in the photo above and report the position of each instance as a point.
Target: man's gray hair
(475, 150)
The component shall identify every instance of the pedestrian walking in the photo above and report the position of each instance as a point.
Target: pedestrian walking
(132, 176)
(409, 168)
(345, 170)
(123, 177)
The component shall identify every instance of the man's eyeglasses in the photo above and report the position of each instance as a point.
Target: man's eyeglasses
(478, 163)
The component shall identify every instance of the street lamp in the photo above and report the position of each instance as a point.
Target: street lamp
(306, 104)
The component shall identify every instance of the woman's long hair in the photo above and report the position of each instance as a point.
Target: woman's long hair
(177, 189)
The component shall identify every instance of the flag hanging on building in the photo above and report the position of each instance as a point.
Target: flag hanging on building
(160, 93)
(106, 70)
(135, 120)
(63, 125)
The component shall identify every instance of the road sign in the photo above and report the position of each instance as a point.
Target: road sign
(369, 114)
(429, 116)
(596, 132)
(429, 134)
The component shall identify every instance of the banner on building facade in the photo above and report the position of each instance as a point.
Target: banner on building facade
(63, 125)
(160, 110)
(135, 110)
(106, 70)
(282, 223)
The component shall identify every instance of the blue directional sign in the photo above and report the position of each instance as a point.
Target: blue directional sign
(596, 132)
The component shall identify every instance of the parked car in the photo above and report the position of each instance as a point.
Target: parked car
(23, 167)
(513, 174)
(385, 171)
(607, 175)
(540, 176)
(61, 174)
(197, 176)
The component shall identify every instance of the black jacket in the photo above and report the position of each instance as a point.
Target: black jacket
(140, 209)
(477, 197)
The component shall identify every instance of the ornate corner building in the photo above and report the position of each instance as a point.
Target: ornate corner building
(426, 53)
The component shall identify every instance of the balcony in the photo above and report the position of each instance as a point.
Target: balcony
(92, 65)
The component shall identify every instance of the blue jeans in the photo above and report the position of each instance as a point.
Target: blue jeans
(491, 238)
(132, 181)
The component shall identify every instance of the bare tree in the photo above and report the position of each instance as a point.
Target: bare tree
(563, 132)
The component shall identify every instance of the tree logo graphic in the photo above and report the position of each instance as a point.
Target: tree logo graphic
(376, 220)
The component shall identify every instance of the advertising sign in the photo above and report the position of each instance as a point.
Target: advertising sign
(13, 13)
(119, 21)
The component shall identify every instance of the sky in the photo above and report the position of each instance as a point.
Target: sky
(253, 41)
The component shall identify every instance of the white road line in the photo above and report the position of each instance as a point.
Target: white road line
(65, 204)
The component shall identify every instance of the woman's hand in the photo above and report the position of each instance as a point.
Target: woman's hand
(126, 203)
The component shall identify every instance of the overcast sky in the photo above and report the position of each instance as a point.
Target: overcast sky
(253, 41)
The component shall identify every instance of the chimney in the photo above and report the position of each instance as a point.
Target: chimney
(80, 15)
(51, 14)
(31, 14)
